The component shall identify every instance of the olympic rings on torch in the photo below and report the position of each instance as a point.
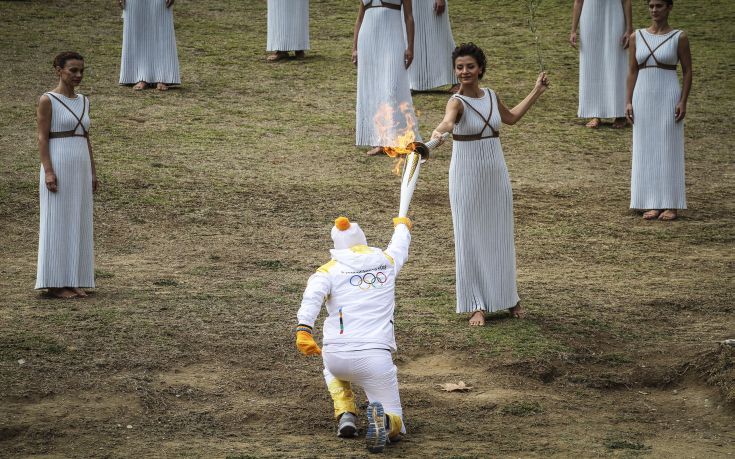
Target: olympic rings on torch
(369, 280)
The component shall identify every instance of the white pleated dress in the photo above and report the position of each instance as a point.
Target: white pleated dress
(288, 25)
(433, 45)
(481, 199)
(657, 177)
(603, 63)
(149, 43)
(65, 241)
(383, 92)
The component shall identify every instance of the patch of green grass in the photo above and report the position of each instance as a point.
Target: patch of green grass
(522, 408)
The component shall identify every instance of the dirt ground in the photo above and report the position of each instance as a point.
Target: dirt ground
(215, 206)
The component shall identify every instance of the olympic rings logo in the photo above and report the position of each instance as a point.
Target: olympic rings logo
(369, 280)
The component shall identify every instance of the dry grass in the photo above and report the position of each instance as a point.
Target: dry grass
(216, 203)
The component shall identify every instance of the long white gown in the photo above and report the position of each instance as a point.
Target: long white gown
(603, 63)
(657, 176)
(481, 199)
(65, 240)
(288, 25)
(149, 43)
(433, 45)
(384, 105)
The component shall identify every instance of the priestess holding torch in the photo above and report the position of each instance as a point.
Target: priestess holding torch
(480, 194)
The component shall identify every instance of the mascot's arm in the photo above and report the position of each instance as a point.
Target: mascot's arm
(317, 290)
(399, 243)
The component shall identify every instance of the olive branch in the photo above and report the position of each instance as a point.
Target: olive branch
(532, 8)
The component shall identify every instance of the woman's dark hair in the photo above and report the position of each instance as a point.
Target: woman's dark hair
(668, 2)
(61, 58)
(470, 49)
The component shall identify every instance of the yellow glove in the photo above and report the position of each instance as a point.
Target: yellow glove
(405, 220)
(305, 342)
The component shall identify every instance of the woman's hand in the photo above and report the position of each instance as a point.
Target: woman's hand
(121, 3)
(625, 40)
(439, 7)
(51, 183)
(681, 111)
(573, 39)
(437, 135)
(408, 57)
(169, 3)
(354, 56)
(629, 113)
(95, 183)
(542, 83)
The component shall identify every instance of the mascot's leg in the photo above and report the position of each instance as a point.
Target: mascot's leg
(344, 405)
(379, 378)
(342, 395)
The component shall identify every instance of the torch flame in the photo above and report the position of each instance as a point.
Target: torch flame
(395, 142)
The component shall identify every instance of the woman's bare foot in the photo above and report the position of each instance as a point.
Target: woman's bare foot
(517, 311)
(63, 293)
(277, 56)
(375, 151)
(619, 123)
(477, 319)
(668, 215)
(651, 214)
(80, 293)
(162, 87)
(300, 54)
(594, 123)
(140, 86)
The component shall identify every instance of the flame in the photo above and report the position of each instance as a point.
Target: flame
(395, 142)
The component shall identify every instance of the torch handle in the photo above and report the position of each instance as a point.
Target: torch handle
(408, 182)
(431, 144)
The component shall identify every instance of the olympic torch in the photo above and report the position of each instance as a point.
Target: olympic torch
(419, 154)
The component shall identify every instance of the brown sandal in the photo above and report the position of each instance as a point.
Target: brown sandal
(652, 214)
(277, 56)
(594, 123)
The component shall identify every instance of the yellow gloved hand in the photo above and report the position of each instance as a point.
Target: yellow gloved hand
(405, 220)
(305, 342)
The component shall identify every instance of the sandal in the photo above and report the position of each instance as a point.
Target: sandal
(141, 85)
(652, 214)
(593, 124)
(668, 215)
(375, 151)
(277, 56)
(62, 293)
(619, 123)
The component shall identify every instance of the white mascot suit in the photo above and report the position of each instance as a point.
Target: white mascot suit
(358, 285)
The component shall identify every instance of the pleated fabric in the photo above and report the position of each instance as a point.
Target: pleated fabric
(149, 43)
(481, 199)
(657, 177)
(433, 45)
(603, 63)
(65, 241)
(384, 105)
(288, 25)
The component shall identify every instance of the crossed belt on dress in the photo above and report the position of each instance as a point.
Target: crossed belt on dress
(73, 132)
(470, 137)
(391, 6)
(651, 54)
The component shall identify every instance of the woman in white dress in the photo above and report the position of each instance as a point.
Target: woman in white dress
(480, 193)
(149, 44)
(433, 46)
(67, 181)
(656, 106)
(383, 55)
(288, 29)
(604, 28)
